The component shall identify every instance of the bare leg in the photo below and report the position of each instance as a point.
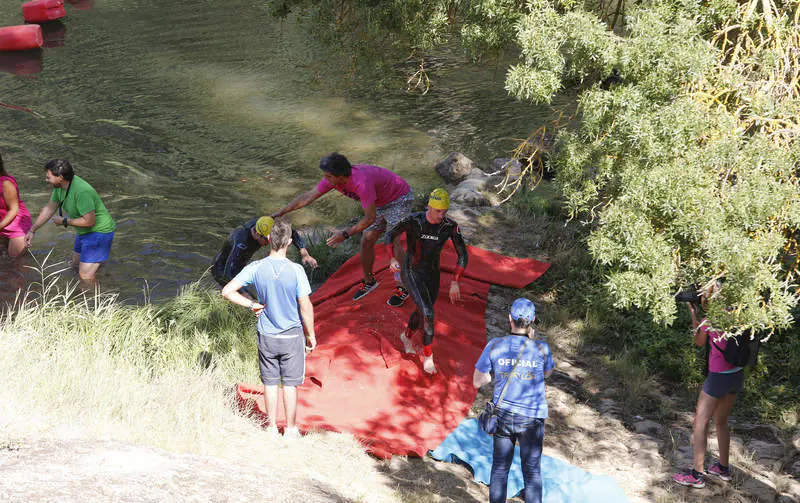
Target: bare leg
(271, 398)
(290, 405)
(16, 247)
(397, 251)
(723, 432)
(705, 409)
(368, 240)
(76, 259)
(87, 272)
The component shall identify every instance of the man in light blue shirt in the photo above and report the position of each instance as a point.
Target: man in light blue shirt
(284, 309)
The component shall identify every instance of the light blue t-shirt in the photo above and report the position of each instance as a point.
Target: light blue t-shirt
(525, 394)
(279, 282)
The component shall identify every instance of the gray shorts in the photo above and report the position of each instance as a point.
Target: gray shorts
(718, 385)
(389, 215)
(282, 359)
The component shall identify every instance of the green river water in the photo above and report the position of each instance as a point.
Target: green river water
(191, 117)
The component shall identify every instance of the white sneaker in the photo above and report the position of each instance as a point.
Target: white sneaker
(272, 432)
(428, 365)
(291, 433)
(407, 345)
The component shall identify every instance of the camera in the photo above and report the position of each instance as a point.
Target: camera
(688, 294)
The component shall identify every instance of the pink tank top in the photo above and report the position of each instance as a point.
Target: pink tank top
(22, 222)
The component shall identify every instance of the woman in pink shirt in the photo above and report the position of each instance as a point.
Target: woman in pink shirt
(15, 221)
(716, 400)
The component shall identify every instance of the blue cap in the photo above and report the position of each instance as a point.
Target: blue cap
(522, 309)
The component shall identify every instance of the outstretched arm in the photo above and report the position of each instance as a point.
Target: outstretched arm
(44, 215)
(300, 201)
(370, 215)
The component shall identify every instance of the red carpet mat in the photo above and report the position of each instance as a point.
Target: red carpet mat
(359, 381)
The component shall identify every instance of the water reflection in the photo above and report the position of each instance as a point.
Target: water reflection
(54, 34)
(190, 120)
(22, 63)
(81, 4)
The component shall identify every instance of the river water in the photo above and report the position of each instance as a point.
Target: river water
(191, 117)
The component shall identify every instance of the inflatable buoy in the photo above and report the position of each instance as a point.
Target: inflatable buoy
(21, 38)
(41, 11)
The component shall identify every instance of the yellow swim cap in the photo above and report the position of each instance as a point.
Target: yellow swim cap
(264, 226)
(439, 199)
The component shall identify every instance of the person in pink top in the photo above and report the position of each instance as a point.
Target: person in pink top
(716, 400)
(386, 199)
(15, 220)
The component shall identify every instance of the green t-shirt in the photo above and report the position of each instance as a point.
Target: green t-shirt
(83, 199)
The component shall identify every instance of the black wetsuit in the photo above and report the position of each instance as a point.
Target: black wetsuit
(420, 271)
(237, 251)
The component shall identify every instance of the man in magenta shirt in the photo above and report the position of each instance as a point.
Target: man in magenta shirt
(386, 199)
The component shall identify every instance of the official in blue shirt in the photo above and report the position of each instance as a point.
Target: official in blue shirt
(522, 412)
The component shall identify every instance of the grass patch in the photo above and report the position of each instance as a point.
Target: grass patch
(80, 365)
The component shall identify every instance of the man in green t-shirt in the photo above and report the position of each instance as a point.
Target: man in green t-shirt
(78, 205)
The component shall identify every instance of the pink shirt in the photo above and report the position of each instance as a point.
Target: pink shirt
(22, 222)
(716, 360)
(369, 184)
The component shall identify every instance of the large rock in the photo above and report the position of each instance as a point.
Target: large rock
(766, 451)
(455, 168)
(760, 488)
(796, 440)
(469, 193)
(648, 427)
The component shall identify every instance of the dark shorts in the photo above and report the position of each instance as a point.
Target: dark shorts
(94, 246)
(282, 359)
(718, 385)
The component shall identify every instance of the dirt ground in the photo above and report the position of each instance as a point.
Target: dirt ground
(589, 426)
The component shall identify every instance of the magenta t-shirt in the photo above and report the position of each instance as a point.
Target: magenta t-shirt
(369, 184)
(22, 222)
(716, 360)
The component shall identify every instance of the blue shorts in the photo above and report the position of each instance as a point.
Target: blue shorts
(718, 384)
(94, 246)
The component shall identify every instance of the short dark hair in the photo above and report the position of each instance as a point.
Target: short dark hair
(336, 164)
(522, 323)
(60, 167)
(281, 234)
(2, 168)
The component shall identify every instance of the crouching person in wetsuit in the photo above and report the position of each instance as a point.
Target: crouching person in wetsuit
(242, 244)
(426, 233)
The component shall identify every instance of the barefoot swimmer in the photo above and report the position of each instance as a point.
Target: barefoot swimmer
(426, 233)
(284, 310)
(243, 243)
(385, 197)
(79, 206)
(15, 221)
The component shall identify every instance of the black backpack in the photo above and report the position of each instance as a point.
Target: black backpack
(741, 350)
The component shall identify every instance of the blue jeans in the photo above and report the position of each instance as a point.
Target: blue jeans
(529, 432)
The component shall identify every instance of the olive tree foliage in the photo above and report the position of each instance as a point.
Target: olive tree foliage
(685, 166)
(683, 158)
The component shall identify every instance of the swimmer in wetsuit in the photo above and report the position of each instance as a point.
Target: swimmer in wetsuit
(243, 243)
(426, 234)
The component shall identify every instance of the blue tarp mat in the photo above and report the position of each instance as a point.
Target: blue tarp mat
(562, 482)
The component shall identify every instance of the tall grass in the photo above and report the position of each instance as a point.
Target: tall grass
(81, 365)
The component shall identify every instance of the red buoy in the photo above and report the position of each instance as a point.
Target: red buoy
(21, 38)
(41, 11)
